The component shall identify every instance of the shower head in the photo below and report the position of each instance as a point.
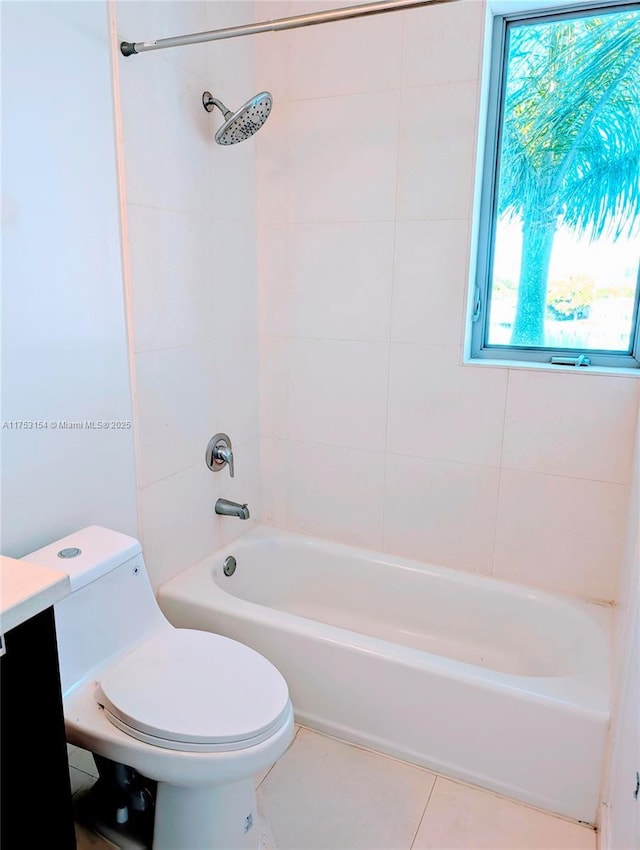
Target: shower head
(243, 123)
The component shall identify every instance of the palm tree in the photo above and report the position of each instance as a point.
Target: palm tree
(570, 153)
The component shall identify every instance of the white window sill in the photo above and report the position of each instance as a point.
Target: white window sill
(618, 372)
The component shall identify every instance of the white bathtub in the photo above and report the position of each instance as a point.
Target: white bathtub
(497, 684)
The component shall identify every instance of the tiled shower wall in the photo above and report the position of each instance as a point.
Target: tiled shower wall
(190, 266)
(373, 432)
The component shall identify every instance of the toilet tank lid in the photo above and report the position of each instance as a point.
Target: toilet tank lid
(101, 550)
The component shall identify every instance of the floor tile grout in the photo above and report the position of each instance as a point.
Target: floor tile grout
(424, 812)
(447, 778)
(298, 727)
(88, 779)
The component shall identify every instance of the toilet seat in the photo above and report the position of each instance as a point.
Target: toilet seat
(194, 691)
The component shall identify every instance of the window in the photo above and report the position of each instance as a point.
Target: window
(558, 270)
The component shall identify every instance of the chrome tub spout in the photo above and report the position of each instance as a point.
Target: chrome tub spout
(226, 508)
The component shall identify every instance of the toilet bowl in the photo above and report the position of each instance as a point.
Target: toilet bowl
(196, 712)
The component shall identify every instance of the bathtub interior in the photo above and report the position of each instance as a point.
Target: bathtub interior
(473, 619)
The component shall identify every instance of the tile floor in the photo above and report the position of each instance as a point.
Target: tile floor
(325, 794)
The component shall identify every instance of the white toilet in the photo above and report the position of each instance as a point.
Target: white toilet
(195, 711)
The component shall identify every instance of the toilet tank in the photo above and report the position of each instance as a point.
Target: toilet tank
(111, 607)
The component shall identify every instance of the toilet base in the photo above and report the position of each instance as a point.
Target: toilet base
(210, 817)
(91, 811)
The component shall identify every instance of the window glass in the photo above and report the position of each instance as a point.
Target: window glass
(563, 262)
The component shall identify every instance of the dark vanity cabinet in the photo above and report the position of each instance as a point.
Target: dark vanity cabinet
(35, 792)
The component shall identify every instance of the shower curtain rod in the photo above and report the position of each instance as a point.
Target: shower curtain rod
(129, 48)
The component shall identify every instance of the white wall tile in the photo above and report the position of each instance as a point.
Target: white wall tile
(232, 185)
(192, 244)
(339, 164)
(272, 146)
(437, 151)
(345, 58)
(273, 286)
(233, 264)
(442, 513)
(566, 424)
(442, 44)
(245, 488)
(179, 524)
(274, 376)
(175, 412)
(344, 500)
(442, 410)
(430, 281)
(561, 533)
(234, 387)
(272, 51)
(274, 471)
(147, 21)
(342, 158)
(340, 280)
(231, 65)
(171, 277)
(234, 330)
(168, 137)
(338, 393)
(627, 596)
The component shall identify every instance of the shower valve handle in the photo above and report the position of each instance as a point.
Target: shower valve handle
(219, 454)
(224, 455)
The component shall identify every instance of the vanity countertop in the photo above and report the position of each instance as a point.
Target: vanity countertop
(26, 589)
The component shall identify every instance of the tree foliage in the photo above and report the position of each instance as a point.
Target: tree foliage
(570, 148)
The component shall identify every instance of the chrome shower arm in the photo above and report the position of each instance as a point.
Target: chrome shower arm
(209, 101)
(129, 48)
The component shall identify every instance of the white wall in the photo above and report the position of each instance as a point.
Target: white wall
(64, 351)
(620, 814)
(191, 277)
(373, 432)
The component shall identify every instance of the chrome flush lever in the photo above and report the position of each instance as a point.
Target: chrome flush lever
(219, 453)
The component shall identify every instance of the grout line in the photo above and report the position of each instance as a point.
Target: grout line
(424, 812)
(322, 222)
(568, 477)
(482, 790)
(84, 772)
(392, 289)
(434, 459)
(295, 737)
(143, 487)
(377, 341)
(445, 778)
(387, 89)
(287, 223)
(504, 416)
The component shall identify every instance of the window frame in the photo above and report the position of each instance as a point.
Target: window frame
(489, 162)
